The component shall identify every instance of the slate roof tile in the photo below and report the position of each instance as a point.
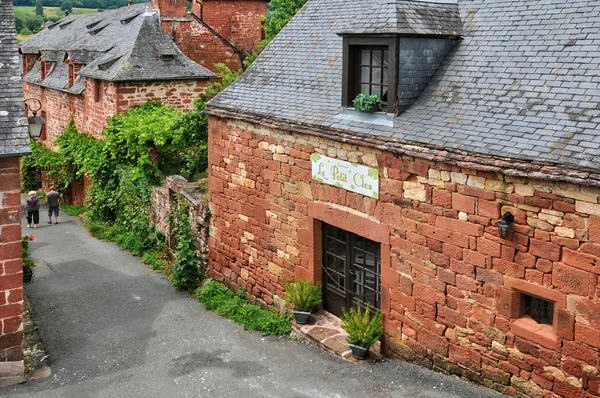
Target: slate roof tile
(14, 139)
(125, 44)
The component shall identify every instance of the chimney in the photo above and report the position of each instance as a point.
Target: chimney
(170, 8)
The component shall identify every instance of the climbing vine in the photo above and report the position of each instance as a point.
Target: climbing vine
(188, 269)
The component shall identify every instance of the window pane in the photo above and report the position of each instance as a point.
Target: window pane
(365, 57)
(364, 89)
(364, 74)
(377, 57)
(385, 76)
(385, 58)
(376, 76)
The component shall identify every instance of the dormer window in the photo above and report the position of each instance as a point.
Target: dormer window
(370, 67)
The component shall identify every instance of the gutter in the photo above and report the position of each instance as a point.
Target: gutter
(469, 160)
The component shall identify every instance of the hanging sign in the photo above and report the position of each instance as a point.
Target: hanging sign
(13, 216)
(349, 176)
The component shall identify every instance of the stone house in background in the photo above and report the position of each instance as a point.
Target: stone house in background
(14, 143)
(91, 67)
(488, 108)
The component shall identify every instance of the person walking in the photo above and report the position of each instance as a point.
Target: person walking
(33, 210)
(52, 198)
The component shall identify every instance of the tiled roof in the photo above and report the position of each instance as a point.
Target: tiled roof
(126, 44)
(14, 139)
(523, 83)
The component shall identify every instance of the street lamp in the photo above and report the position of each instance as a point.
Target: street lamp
(505, 224)
(35, 123)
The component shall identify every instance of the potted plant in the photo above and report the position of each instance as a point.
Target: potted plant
(302, 296)
(366, 103)
(363, 328)
(28, 264)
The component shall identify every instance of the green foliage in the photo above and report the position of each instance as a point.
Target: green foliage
(66, 6)
(25, 31)
(158, 260)
(302, 295)
(280, 13)
(363, 328)
(39, 8)
(72, 210)
(227, 77)
(28, 264)
(186, 274)
(219, 298)
(58, 169)
(366, 103)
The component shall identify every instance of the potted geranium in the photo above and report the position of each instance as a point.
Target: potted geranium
(363, 328)
(28, 264)
(367, 103)
(302, 296)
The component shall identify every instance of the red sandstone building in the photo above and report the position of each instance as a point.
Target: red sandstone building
(14, 143)
(88, 68)
(488, 108)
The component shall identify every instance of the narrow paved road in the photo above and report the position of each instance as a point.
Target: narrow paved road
(115, 329)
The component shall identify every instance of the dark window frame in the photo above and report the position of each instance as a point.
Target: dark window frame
(351, 69)
(355, 275)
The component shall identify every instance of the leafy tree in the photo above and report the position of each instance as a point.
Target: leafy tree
(34, 23)
(39, 8)
(66, 6)
(25, 32)
(280, 13)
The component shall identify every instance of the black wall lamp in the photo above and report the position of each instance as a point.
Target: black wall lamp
(505, 224)
(35, 123)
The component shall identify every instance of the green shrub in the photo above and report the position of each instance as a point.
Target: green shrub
(302, 295)
(157, 259)
(366, 103)
(363, 328)
(186, 273)
(219, 298)
(28, 264)
(72, 210)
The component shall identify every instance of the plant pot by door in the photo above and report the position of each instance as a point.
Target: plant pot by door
(359, 352)
(301, 317)
(28, 276)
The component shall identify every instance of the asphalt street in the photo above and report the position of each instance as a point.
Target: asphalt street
(113, 328)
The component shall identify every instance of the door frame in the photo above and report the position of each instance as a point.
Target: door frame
(352, 221)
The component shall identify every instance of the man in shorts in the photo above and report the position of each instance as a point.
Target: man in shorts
(52, 202)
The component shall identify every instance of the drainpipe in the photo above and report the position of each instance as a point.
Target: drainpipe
(214, 32)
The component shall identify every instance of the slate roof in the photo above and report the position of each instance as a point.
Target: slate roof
(14, 139)
(125, 44)
(523, 83)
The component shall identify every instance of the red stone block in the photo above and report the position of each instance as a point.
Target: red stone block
(488, 247)
(452, 251)
(563, 206)
(442, 198)
(566, 390)
(459, 226)
(450, 317)
(570, 280)
(465, 356)
(566, 242)
(574, 349)
(587, 335)
(508, 268)
(463, 203)
(594, 229)
(427, 294)
(432, 341)
(546, 250)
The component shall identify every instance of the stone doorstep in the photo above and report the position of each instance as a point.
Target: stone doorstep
(11, 373)
(326, 332)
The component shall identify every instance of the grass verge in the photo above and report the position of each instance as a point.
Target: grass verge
(219, 298)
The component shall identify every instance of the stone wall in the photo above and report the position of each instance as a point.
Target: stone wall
(238, 22)
(452, 289)
(11, 270)
(195, 195)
